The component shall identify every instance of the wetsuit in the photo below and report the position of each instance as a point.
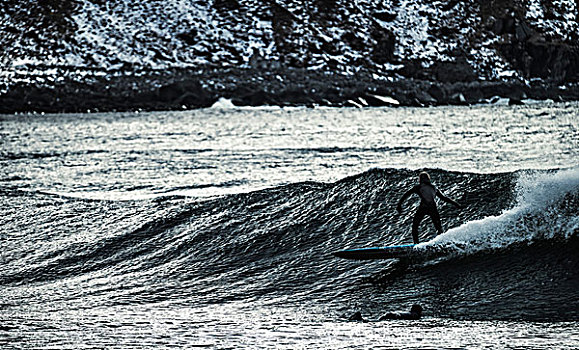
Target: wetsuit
(401, 316)
(427, 193)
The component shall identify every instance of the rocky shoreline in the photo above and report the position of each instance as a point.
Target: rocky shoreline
(189, 89)
(59, 57)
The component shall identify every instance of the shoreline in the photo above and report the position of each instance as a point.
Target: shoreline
(70, 90)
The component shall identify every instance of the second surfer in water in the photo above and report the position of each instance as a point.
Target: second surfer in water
(427, 193)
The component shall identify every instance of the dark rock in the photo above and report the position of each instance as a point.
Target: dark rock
(354, 41)
(412, 69)
(329, 48)
(249, 97)
(31, 34)
(498, 26)
(515, 102)
(516, 93)
(257, 98)
(332, 94)
(228, 5)
(553, 61)
(523, 32)
(489, 23)
(437, 93)
(296, 95)
(457, 99)
(444, 31)
(190, 37)
(12, 30)
(385, 16)
(508, 25)
(383, 51)
(373, 100)
(424, 98)
(356, 316)
(326, 4)
(283, 87)
(187, 92)
(492, 91)
(472, 93)
(283, 22)
(459, 70)
(449, 5)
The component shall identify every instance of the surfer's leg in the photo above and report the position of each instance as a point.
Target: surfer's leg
(415, 236)
(416, 222)
(435, 216)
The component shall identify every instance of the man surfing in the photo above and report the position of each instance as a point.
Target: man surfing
(427, 193)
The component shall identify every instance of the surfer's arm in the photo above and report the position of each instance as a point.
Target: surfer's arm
(447, 200)
(404, 197)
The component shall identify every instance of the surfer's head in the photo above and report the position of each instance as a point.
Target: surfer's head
(424, 178)
(416, 309)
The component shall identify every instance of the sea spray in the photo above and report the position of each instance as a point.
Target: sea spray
(545, 208)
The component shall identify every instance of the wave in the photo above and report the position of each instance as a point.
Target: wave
(545, 208)
(223, 103)
(398, 149)
(42, 155)
(274, 246)
(13, 178)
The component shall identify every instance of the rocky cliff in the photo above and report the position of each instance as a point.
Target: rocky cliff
(121, 55)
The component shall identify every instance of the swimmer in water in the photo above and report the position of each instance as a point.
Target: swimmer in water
(414, 314)
(427, 193)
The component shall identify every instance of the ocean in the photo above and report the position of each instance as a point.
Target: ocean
(214, 228)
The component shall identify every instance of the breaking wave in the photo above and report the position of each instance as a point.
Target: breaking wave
(517, 235)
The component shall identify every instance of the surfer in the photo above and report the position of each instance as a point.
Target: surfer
(427, 193)
(414, 314)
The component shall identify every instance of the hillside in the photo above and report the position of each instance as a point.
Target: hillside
(86, 54)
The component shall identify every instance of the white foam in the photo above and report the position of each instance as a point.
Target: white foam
(534, 216)
(224, 103)
(537, 191)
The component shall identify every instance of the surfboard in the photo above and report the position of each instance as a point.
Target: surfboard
(372, 253)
